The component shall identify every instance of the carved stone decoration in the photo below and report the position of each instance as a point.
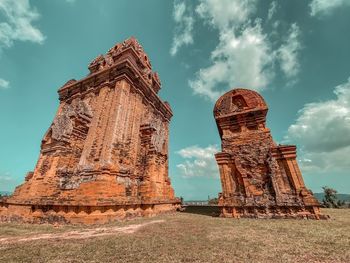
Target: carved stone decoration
(81, 107)
(62, 126)
(259, 178)
(105, 156)
(160, 135)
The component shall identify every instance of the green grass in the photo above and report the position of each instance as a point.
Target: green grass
(191, 237)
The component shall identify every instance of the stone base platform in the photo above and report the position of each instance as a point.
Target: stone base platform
(77, 214)
(272, 212)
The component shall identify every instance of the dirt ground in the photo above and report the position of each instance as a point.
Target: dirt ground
(193, 236)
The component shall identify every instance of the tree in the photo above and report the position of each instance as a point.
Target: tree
(181, 200)
(330, 199)
(341, 203)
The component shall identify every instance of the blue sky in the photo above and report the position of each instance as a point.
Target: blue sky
(296, 53)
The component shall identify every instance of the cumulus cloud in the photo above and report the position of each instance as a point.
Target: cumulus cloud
(184, 26)
(198, 161)
(322, 130)
(19, 16)
(324, 7)
(225, 14)
(4, 84)
(238, 60)
(242, 54)
(288, 52)
(245, 55)
(18, 26)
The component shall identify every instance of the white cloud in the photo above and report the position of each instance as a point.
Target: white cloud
(184, 27)
(245, 56)
(272, 10)
(225, 14)
(198, 161)
(288, 52)
(322, 129)
(324, 7)
(19, 16)
(238, 60)
(4, 84)
(243, 53)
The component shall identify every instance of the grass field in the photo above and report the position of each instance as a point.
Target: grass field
(182, 237)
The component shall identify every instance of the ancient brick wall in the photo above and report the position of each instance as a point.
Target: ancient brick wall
(259, 178)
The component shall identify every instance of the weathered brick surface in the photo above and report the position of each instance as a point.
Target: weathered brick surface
(259, 178)
(105, 156)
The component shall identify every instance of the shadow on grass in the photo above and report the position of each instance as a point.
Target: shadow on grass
(203, 210)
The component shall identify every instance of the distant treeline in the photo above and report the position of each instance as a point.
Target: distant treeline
(342, 197)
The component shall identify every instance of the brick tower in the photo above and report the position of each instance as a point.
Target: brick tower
(105, 155)
(259, 178)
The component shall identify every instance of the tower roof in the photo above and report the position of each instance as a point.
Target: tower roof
(113, 54)
(238, 101)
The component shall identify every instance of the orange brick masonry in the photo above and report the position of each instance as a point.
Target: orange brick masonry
(105, 155)
(259, 178)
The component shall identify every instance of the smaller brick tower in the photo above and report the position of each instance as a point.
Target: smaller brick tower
(259, 178)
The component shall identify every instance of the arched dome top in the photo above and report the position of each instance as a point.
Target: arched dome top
(239, 101)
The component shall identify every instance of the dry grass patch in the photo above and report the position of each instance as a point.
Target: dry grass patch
(186, 237)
